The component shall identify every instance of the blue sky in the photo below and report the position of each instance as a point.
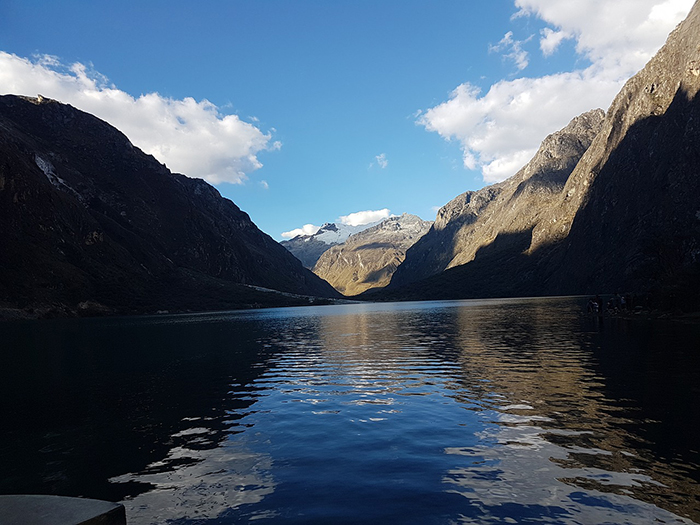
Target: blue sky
(305, 111)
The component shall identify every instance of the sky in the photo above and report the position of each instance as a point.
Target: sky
(304, 112)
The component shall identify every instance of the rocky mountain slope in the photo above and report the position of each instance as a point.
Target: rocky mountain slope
(308, 248)
(368, 259)
(87, 218)
(475, 219)
(627, 217)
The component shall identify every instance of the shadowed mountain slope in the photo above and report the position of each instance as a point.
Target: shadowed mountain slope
(627, 217)
(476, 219)
(86, 216)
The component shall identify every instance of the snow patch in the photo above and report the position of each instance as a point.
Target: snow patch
(339, 233)
(50, 172)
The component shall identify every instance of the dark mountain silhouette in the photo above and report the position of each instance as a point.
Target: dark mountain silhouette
(90, 223)
(627, 217)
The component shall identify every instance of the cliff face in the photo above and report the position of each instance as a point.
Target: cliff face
(86, 216)
(368, 259)
(627, 217)
(475, 219)
(630, 208)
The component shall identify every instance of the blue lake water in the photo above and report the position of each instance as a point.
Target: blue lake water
(498, 411)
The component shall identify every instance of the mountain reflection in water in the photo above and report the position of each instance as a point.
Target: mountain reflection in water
(500, 411)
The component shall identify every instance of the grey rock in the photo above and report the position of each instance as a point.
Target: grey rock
(34, 509)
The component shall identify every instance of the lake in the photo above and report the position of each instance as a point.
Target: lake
(495, 411)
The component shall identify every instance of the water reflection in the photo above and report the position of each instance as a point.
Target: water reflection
(472, 412)
(553, 420)
(87, 401)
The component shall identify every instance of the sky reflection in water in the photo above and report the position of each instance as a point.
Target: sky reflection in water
(463, 412)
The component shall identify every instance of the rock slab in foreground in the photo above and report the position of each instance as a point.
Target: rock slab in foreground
(59, 510)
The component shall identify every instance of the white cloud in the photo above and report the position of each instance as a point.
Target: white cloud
(360, 218)
(382, 161)
(264, 185)
(190, 137)
(500, 130)
(513, 50)
(307, 229)
(551, 40)
(621, 35)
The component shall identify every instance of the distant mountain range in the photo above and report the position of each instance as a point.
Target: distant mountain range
(308, 248)
(610, 203)
(368, 259)
(91, 224)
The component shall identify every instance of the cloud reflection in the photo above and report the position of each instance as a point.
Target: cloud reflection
(194, 484)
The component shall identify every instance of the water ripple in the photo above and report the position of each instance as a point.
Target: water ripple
(522, 411)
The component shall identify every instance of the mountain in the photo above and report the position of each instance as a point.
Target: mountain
(308, 248)
(627, 217)
(86, 218)
(368, 259)
(475, 219)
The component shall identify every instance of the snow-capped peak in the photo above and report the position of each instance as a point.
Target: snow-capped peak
(332, 233)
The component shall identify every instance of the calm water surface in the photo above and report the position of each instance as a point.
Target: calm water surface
(519, 411)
